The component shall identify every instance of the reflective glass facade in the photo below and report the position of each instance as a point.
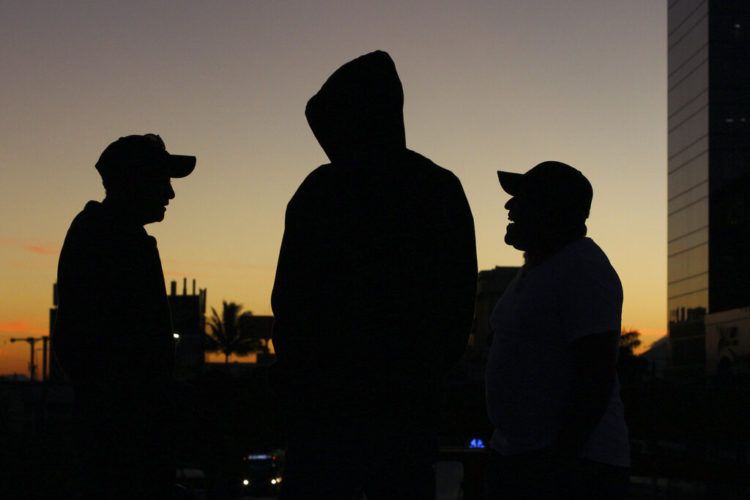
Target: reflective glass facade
(688, 179)
(709, 163)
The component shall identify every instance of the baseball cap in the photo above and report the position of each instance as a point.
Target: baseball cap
(559, 184)
(142, 154)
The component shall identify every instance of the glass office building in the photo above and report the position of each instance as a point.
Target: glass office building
(709, 168)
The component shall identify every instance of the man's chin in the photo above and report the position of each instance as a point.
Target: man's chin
(155, 217)
(512, 239)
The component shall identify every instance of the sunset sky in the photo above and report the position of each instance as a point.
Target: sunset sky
(488, 85)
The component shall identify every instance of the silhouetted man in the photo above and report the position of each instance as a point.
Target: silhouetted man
(113, 335)
(373, 299)
(552, 390)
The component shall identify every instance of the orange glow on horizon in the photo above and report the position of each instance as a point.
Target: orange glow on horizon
(487, 86)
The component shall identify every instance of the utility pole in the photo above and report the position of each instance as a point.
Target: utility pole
(32, 364)
(45, 363)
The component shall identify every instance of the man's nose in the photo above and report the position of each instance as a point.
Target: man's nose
(509, 203)
(170, 192)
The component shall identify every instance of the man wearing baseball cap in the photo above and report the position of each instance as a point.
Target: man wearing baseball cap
(552, 390)
(113, 338)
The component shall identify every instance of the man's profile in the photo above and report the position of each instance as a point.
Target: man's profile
(373, 299)
(113, 336)
(552, 390)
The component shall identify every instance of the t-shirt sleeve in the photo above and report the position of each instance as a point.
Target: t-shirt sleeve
(590, 300)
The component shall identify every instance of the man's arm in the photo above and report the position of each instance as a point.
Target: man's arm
(592, 385)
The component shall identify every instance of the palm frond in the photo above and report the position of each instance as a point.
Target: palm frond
(229, 332)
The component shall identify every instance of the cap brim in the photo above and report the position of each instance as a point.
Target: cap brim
(180, 166)
(511, 182)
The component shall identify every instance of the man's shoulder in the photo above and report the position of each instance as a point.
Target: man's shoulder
(584, 261)
(317, 181)
(89, 223)
(407, 163)
(95, 230)
(429, 168)
(585, 250)
(409, 169)
(85, 246)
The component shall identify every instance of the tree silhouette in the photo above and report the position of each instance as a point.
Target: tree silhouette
(629, 342)
(226, 333)
(631, 368)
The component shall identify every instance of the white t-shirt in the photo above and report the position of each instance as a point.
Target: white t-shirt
(574, 293)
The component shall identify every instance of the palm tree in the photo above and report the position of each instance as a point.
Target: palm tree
(226, 334)
(629, 342)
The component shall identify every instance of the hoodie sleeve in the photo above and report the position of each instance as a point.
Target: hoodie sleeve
(293, 299)
(454, 293)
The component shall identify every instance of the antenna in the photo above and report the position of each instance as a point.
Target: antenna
(32, 363)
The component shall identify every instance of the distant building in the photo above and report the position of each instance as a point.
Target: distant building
(491, 285)
(728, 342)
(657, 357)
(708, 177)
(260, 327)
(189, 326)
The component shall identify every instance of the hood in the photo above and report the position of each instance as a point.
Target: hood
(358, 112)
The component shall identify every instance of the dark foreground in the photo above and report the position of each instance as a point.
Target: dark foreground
(688, 441)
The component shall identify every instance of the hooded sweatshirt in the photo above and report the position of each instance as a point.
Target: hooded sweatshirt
(374, 293)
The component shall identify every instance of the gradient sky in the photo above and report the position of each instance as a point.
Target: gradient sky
(488, 85)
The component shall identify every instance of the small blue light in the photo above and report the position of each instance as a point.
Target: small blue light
(476, 443)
